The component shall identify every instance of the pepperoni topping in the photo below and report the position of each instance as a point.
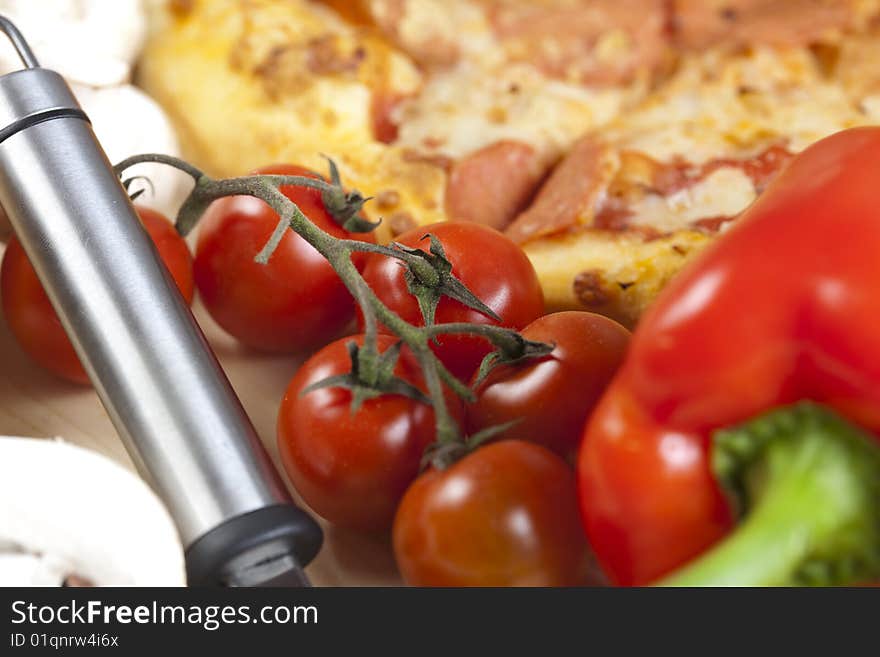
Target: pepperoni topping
(382, 108)
(712, 224)
(584, 191)
(569, 195)
(603, 42)
(493, 184)
(702, 24)
(676, 176)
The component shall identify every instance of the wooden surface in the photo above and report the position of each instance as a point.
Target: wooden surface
(34, 403)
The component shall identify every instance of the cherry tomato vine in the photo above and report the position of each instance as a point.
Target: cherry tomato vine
(429, 277)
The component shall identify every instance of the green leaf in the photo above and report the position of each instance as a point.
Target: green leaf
(344, 206)
(335, 178)
(388, 361)
(489, 363)
(338, 381)
(359, 224)
(398, 386)
(488, 433)
(429, 278)
(126, 184)
(361, 387)
(426, 296)
(354, 355)
(526, 350)
(438, 251)
(360, 394)
(455, 289)
(443, 455)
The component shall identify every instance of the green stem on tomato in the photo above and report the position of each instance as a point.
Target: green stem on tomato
(338, 253)
(509, 342)
(810, 486)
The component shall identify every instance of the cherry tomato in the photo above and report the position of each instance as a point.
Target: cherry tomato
(552, 397)
(295, 301)
(504, 515)
(489, 264)
(32, 319)
(352, 468)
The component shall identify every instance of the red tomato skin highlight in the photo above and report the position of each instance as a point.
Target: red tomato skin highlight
(504, 515)
(495, 269)
(33, 320)
(783, 307)
(550, 398)
(352, 469)
(293, 303)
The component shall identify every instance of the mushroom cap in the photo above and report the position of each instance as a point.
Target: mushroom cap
(127, 122)
(65, 510)
(92, 42)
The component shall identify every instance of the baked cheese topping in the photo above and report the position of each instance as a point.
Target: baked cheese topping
(437, 32)
(697, 152)
(718, 106)
(724, 193)
(306, 80)
(468, 107)
(612, 138)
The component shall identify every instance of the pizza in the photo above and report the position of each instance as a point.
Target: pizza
(612, 139)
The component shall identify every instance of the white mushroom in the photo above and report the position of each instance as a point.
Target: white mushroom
(68, 512)
(65, 511)
(94, 44)
(126, 122)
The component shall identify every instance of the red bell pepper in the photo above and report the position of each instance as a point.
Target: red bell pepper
(782, 308)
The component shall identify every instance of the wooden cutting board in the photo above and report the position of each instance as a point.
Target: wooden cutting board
(34, 403)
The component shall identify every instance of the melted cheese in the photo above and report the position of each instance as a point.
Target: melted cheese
(724, 193)
(870, 105)
(464, 109)
(239, 81)
(234, 75)
(458, 22)
(735, 106)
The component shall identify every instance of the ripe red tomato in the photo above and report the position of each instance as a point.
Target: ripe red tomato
(32, 319)
(552, 397)
(504, 515)
(295, 301)
(489, 264)
(352, 469)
